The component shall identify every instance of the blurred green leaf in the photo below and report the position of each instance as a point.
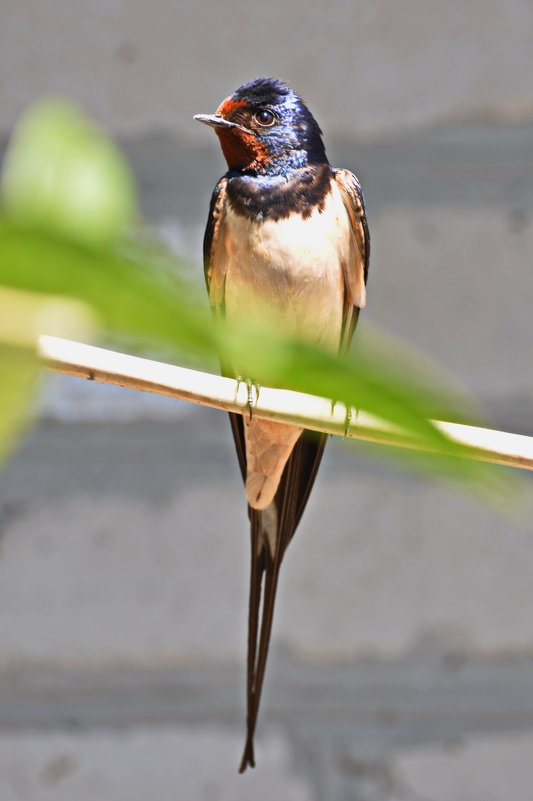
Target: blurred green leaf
(23, 316)
(61, 174)
(127, 294)
(67, 195)
(129, 299)
(18, 373)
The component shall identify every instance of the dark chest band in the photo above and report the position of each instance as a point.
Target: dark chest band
(258, 198)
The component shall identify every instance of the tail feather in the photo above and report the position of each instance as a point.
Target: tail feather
(257, 569)
(289, 501)
(261, 604)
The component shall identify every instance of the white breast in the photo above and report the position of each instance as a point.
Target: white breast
(290, 273)
(289, 270)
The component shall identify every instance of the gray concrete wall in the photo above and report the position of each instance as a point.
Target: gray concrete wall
(372, 66)
(401, 664)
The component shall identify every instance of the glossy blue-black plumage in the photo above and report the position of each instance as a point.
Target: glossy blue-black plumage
(296, 139)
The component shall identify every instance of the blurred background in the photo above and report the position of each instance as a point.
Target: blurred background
(402, 659)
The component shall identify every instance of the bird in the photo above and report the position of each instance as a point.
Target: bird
(286, 237)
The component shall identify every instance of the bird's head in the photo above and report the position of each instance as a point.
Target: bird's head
(265, 128)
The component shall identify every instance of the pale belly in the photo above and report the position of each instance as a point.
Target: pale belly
(289, 273)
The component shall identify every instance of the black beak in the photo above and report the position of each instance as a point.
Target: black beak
(215, 121)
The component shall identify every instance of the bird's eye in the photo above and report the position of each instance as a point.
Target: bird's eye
(264, 117)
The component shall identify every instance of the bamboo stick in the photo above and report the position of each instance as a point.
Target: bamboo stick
(297, 408)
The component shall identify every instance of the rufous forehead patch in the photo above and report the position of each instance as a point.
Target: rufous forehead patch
(240, 147)
(228, 106)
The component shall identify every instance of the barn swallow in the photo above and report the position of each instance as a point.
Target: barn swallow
(286, 237)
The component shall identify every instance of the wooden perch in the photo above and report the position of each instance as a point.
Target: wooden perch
(308, 411)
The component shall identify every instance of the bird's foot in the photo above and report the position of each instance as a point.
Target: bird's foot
(253, 388)
(348, 413)
(348, 418)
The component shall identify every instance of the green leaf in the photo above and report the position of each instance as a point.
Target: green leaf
(23, 316)
(61, 174)
(129, 295)
(67, 195)
(18, 374)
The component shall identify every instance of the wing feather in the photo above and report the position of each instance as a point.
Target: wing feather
(356, 266)
(214, 263)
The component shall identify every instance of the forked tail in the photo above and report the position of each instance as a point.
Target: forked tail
(263, 586)
(271, 531)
